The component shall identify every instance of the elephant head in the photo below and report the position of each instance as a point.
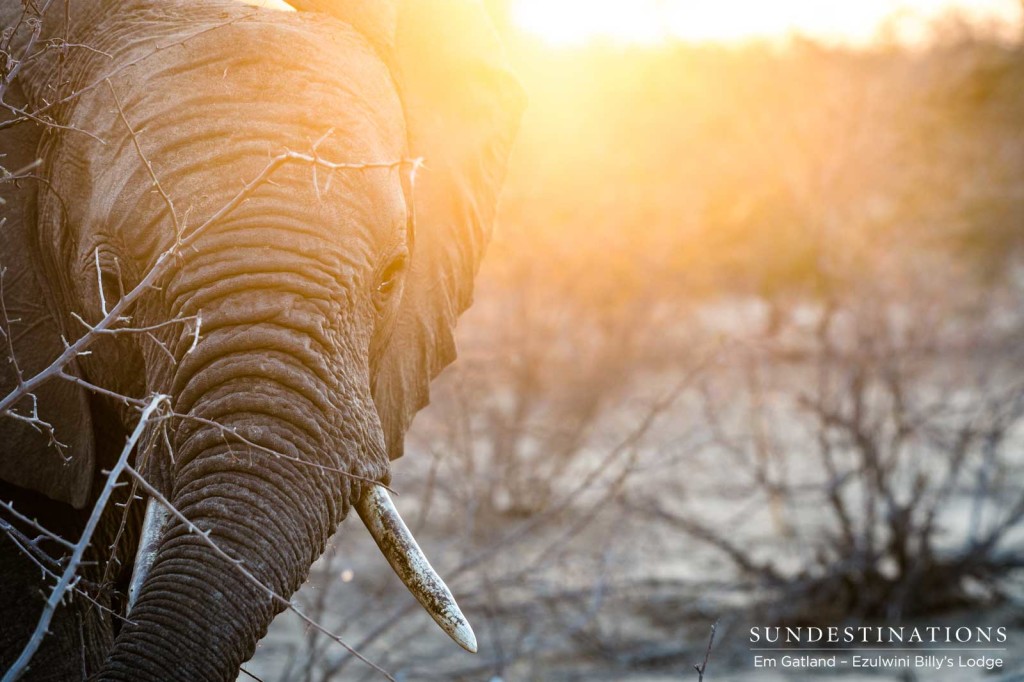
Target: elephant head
(326, 265)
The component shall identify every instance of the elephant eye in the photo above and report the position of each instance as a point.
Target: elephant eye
(391, 275)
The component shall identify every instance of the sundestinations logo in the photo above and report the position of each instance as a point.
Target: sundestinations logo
(932, 647)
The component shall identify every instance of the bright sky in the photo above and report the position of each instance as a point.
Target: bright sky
(572, 22)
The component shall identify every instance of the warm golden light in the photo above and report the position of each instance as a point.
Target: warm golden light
(572, 22)
(271, 4)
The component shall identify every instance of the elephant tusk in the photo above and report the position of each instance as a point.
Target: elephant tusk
(152, 531)
(399, 547)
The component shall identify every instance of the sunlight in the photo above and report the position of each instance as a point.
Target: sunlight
(572, 22)
(271, 4)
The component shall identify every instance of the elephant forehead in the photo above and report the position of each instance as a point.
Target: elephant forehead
(310, 74)
(209, 112)
(342, 218)
(287, 82)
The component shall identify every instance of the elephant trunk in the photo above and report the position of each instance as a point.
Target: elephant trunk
(196, 616)
(275, 436)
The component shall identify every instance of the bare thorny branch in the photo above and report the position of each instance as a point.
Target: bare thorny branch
(116, 320)
(238, 566)
(69, 576)
(113, 322)
(32, 16)
(703, 667)
(68, 580)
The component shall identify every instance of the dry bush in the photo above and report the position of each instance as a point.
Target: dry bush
(874, 438)
(853, 447)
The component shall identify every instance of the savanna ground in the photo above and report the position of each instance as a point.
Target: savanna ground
(747, 349)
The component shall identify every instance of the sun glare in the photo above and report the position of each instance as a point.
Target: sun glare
(573, 22)
(271, 4)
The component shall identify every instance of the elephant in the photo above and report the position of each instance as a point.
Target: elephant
(279, 216)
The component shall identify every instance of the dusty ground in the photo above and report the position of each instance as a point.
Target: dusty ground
(595, 590)
(637, 614)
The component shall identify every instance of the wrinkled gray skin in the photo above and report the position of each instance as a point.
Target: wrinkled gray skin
(326, 308)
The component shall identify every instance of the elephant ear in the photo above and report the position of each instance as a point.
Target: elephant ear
(30, 456)
(462, 107)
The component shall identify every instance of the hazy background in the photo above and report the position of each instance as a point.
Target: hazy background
(747, 348)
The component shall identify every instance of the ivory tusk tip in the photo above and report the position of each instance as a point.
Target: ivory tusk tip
(464, 636)
(449, 616)
(399, 547)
